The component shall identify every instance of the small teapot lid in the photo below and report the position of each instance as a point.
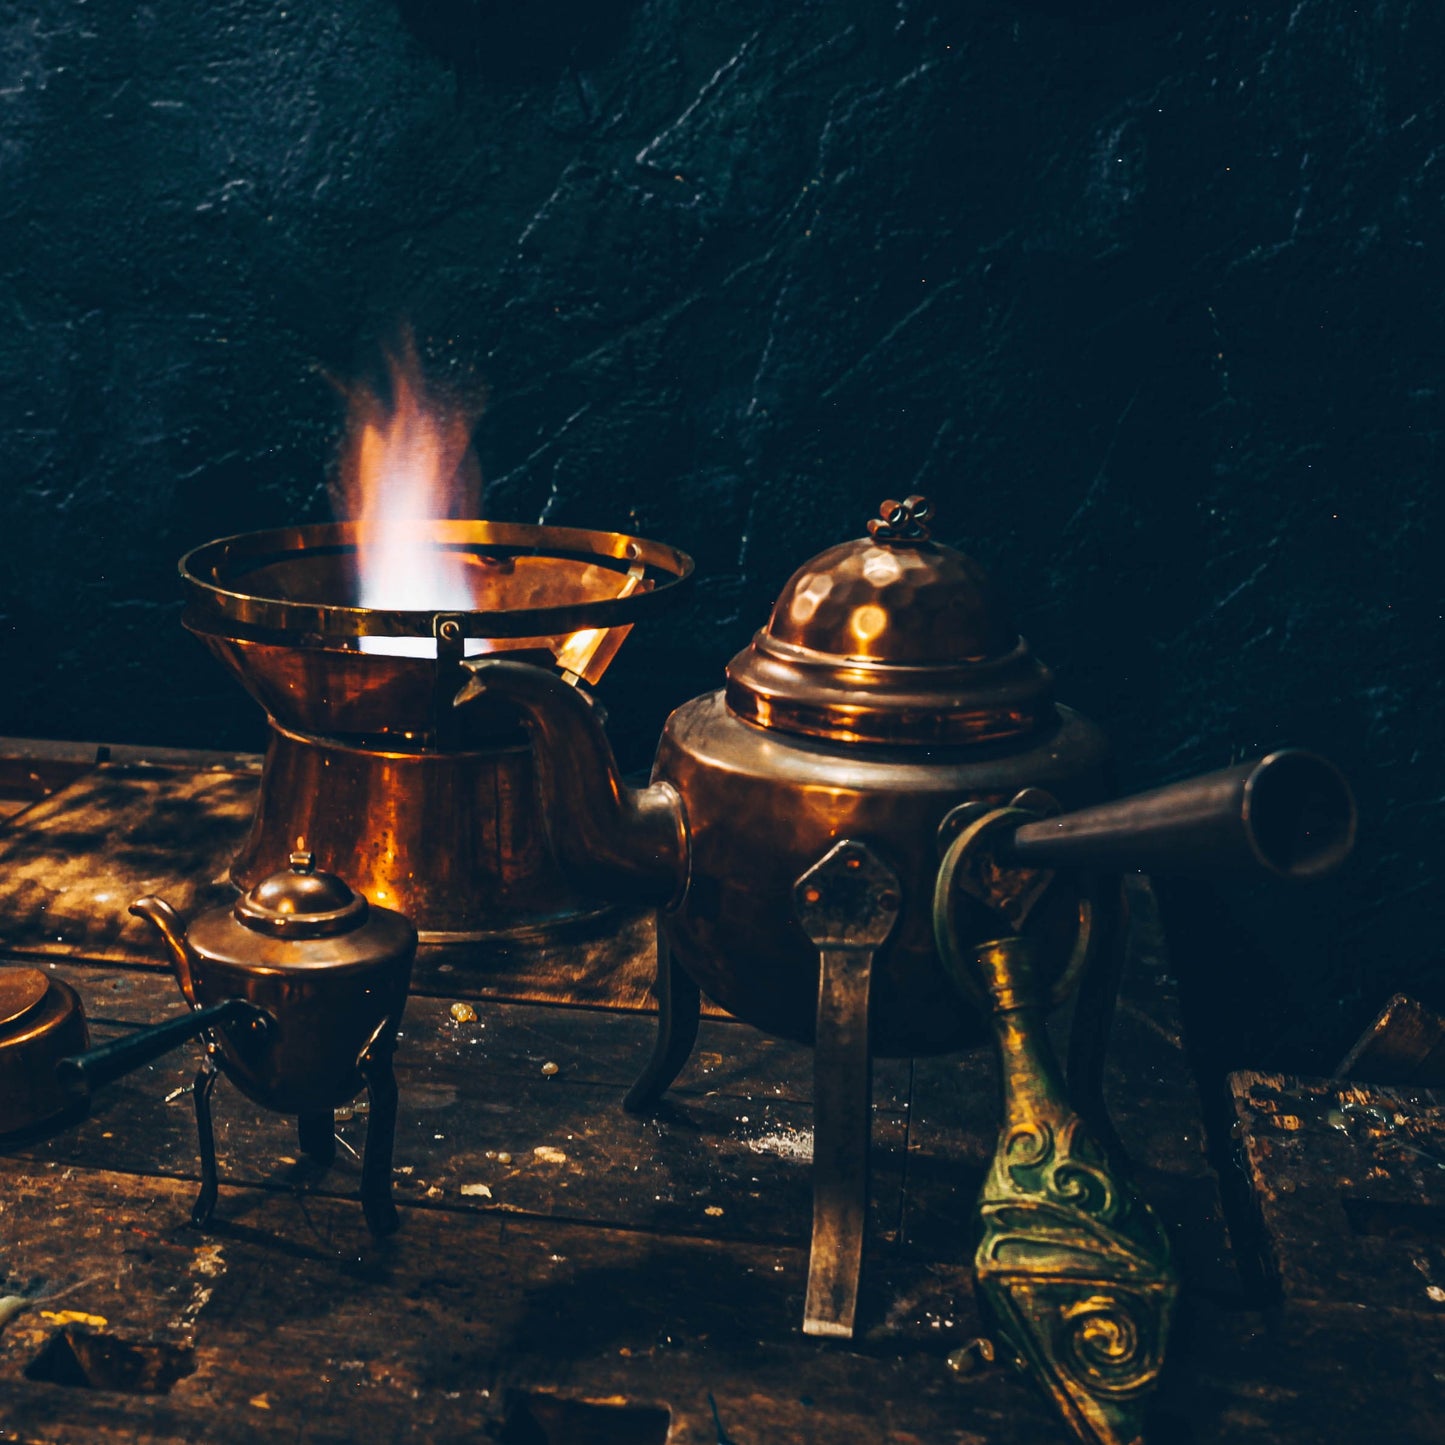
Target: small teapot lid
(892, 638)
(299, 902)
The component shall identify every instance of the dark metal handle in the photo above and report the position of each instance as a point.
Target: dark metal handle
(1291, 814)
(81, 1074)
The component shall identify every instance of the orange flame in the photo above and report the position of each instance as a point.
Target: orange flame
(407, 460)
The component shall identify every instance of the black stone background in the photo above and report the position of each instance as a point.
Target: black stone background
(1146, 296)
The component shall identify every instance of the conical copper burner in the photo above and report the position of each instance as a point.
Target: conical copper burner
(429, 809)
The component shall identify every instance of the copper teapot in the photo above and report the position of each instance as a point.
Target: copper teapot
(888, 686)
(298, 990)
(792, 830)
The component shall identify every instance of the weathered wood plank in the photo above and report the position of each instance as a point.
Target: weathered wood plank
(727, 1155)
(1348, 1182)
(1404, 1045)
(597, 1046)
(71, 864)
(303, 1328)
(725, 1166)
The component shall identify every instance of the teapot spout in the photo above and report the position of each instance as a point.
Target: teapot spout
(609, 838)
(168, 924)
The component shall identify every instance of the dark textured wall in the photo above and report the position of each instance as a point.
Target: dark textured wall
(1148, 298)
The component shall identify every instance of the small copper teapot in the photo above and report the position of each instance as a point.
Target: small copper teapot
(299, 991)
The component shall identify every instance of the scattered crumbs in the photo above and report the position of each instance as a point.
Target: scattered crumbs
(549, 1068)
(477, 1191)
(714, 1209)
(504, 1158)
(464, 1013)
(259, 1402)
(208, 1260)
(793, 1144)
(548, 1155)
(491, 1154)
(404, 1168)
(435, 1192)
(439, 1136)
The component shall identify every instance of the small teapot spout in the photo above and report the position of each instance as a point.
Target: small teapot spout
(616, 840)
(168, 924)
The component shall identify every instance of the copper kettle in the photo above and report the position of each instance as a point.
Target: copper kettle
(792, 830)
(298, 991)
(888, 686)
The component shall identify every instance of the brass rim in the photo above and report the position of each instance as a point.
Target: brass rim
(214, 588)
(21, 991)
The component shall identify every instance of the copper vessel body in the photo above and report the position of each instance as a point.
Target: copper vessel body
(762, 806)
(452, 839)
(41, 1021)
(323, 1019)
(330, 998)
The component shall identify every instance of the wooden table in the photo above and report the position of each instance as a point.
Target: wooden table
(564, 1272)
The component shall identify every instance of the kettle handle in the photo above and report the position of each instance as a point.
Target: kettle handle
(81, 1074)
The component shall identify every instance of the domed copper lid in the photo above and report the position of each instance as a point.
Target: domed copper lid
(299, 902)
(893, 638)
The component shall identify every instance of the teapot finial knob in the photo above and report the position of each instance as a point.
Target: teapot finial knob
(303, 862)
(904, 521)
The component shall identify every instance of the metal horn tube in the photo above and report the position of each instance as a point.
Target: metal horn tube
(1290, 813)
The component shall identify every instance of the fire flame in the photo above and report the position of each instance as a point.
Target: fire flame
(407, 460)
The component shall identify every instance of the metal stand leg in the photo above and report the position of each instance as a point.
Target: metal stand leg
(842, 1125)
(201, 1092)
(847, 903)
(1093, 1018)
(679, 1003)
(376, 1201)
(317, 1134)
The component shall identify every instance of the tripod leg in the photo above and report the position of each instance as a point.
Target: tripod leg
(201, 1092)
(376, 1201)
(842, 1128)
(1093, 1019)
(317, 1134)
(847, 904)
(679, 1003)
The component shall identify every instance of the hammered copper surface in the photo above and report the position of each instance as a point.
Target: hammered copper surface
(893, 638)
